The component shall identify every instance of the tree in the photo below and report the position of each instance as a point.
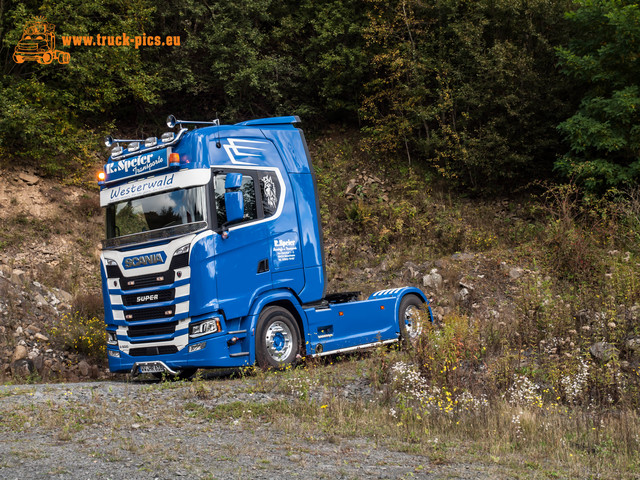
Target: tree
(603, 59)
(469, 88)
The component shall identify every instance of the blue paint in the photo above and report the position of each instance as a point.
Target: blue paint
(260, 244)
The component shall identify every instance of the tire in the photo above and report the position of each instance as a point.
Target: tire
(184, 374)
(18, 58)
(277, 338)
(46, 59)
(410, 318)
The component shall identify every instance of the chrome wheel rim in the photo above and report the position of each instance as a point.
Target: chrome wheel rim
(412, 321)
(279, 341)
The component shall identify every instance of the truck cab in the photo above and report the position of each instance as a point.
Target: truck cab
(213, 255)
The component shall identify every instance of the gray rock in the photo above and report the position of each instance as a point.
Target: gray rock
(41, 337)
(433, 280)
(462, 256)
(38, 363)
(32, 329)
(22, 368)
(633, 344)
(19, 353)
(17, 276)
(462, 295)
(29, 179)
(84, 368)
(515, 273)
(40, 300)
(65, 297)
(603, 351)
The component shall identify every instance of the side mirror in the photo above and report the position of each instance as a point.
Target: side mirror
(234, 203)
(233, 198)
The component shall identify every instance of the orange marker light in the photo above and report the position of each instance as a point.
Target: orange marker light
(341, 313)
(101, 176)
(174, 159)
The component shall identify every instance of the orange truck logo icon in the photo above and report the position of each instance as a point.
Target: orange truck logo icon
(38, 43)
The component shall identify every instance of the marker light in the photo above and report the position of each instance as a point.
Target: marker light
(101, 177)
(167, 137)
(108, 140)
(174, 159)
(150, 142)
(112, 338)
(116, 151)
(133, 146)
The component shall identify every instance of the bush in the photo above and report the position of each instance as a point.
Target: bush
(81, 334)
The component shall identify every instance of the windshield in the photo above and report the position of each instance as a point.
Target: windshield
(156, 212)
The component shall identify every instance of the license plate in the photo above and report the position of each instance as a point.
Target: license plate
(151, 368)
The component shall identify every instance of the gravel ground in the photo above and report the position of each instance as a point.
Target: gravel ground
(140, 429)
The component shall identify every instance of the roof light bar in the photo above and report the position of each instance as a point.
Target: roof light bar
(109, 140)
(116, 151)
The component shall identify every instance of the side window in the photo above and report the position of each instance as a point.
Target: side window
(270, 190)
(248, 190)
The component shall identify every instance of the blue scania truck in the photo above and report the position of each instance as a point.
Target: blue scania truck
(213, 255)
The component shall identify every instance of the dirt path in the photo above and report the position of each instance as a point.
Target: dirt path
(118, 430)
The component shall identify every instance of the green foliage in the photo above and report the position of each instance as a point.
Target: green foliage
(468, 87)
(45, 109)
(603, 135)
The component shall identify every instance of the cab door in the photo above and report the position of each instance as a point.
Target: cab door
(242, 248)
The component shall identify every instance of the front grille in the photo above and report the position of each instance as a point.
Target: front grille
(149, 313)
(147, 351)
(135, 331)
(152, 297)
(144, 281)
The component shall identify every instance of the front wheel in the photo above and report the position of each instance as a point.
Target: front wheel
(277, 338)
(410, 318)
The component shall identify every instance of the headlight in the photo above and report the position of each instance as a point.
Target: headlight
(112, 338)
(110, 262)
(211, 325)
(182, 249)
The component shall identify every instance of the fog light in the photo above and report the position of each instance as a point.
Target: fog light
(112, 338)
(197, 346)
(167, 137)
(133, 147)
(113, 353)
(115, 151)
(150, 142)
(206, 327)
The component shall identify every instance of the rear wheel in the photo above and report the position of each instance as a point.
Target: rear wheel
(410, 317)
(277, 338)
